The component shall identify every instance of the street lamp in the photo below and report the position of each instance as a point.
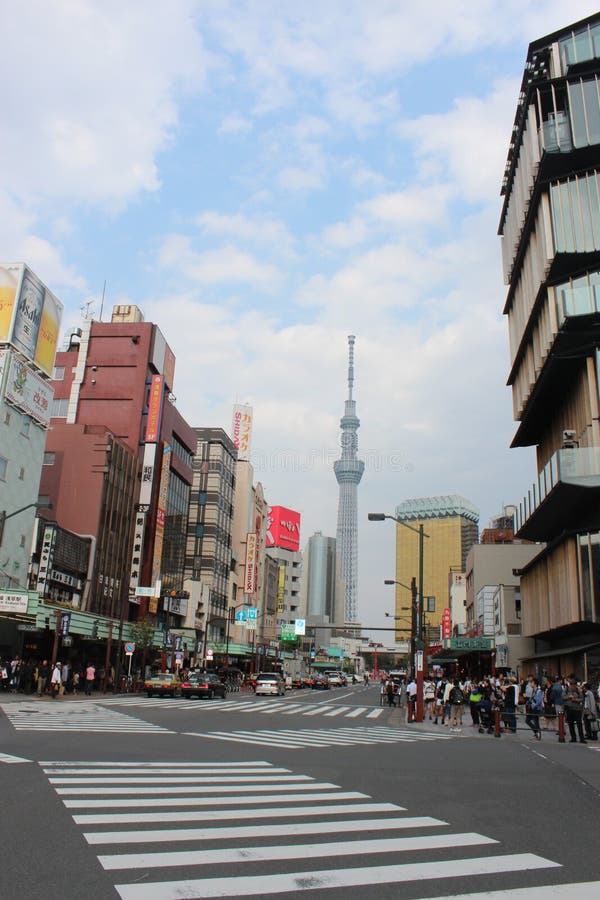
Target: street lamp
(417, 600)
(39, 504)
(231, 618)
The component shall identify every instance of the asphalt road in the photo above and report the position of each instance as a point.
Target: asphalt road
(317, 794)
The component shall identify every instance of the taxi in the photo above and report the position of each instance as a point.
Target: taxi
(164, 684)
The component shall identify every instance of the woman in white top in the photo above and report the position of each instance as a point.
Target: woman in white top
(56, 680)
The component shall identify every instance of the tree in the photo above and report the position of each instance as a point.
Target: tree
(142, 634)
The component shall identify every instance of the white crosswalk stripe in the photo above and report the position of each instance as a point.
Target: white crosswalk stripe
(290, 823)
(293, 739)
(7, 758)
(267, 707)
(76, 717)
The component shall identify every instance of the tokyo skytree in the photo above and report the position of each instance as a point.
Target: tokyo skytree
(348, 471)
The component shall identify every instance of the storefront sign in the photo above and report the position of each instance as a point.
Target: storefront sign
(469, 643)
(250, 571)
(13, 603)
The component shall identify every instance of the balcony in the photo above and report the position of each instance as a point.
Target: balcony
(564, 497)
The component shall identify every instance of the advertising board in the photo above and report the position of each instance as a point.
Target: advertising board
(154, 409)
(250, 570)
(27, 391)
(241, 429)
(283, 528)
(30, 315)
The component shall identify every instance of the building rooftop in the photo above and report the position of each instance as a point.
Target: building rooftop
(444, 507)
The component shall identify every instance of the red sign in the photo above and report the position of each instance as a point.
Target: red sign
(154, 409)
(283, 528)
(446, 624)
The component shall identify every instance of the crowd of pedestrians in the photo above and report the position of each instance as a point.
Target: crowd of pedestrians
(537, 704)
(40, 678)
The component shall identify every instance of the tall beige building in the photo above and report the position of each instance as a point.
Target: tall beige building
(451, 525)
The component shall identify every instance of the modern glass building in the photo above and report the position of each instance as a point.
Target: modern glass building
(550, 232)
(321, 576)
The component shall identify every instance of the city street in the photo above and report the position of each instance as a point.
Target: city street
(323, 794)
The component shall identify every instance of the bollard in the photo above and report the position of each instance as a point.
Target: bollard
(497, 723)
(561, 728)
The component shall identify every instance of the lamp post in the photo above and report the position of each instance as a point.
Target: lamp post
(231, 618)
(380, 517)
(44, 504)
(413, 610)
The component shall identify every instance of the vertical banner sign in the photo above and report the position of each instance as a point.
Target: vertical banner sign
(281, 589)
(250, 571)
(446, 624)
(161, 512)
(241, 430)
(154, 409)
(46, 561)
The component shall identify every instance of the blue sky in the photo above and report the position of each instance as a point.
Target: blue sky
(264, 178)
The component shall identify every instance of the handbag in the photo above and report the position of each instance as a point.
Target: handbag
(594, 726)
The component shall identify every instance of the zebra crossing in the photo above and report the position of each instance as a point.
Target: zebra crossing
(163, 831)
(80, 716)
(264, 707)
(293, 739)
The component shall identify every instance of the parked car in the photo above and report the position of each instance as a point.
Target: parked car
(164, 684)
(269, 683)
(203, 685)
(299, 682)
(335, 678)
(320, 682)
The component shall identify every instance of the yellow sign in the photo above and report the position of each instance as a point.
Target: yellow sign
(281, 590)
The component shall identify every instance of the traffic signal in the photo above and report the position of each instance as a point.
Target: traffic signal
(95, 629)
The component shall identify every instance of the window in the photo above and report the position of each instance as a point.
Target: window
(22, 541)
(49, 458)
(7, 418)
(25, 426)
(3, 468)
(430, 601)
(58, 373)
(59, 409)
(22, 474)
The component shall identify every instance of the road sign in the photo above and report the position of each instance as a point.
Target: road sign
(129, 649)
(252, 613)
(241, 615)
(300, 626)
(210, 653)
(419, 660)
(65, 624)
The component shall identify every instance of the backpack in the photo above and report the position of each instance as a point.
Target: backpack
(456, 696)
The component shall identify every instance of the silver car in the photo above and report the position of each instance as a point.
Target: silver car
(269, 683)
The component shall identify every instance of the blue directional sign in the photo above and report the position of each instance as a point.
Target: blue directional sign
(241, 615)
(252, 612)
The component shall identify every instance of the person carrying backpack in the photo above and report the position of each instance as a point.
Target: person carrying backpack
(533, 708)
(457, 700)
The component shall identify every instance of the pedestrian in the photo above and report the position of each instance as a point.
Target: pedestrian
(42, 681)
(429, 697)
(590, 713)
(475, 698)
(90, 675)
(574, 711)
(534, 707)
(382, 691)
(411, 696)
(511, 696)
(390, 691)
(56, 680)
(457, 699)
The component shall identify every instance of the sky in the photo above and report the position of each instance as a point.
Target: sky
(263, 179)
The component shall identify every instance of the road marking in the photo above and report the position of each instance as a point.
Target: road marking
(357, 712)
(154, 765)
(297, 851)
(333, 737)
(190, 789)
(223, 815)
(196, 779)
(268, 707)
(140, 803)
(250, 831)
(310, 881)
(317, 710)
(7, 758)
(580, 890)
(163, 770)
(338, 711)
(374, 714)
(76, 717)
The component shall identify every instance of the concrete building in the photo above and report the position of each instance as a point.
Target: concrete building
(493, 604)
(118, 464)
(209, 550)
(550, 231)
(451, 523)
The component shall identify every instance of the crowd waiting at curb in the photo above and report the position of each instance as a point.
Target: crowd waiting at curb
(539, 703)
(39, 678)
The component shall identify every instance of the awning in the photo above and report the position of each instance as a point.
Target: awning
(564, 651)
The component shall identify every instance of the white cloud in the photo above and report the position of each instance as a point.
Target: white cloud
(87, 115)
(235, 124)
(261, 231)
(224, 265)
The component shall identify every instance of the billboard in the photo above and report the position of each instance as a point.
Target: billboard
(283, 528)
(250, 570)
(154, 409)
(30, 315)
(281, 589)
(446, 624)
(161, 511)
(27, 391)
(241, 430)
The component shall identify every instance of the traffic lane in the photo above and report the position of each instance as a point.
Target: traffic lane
(504, 792)
(43, 852)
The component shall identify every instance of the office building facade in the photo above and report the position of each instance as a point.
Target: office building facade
(550, 232)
